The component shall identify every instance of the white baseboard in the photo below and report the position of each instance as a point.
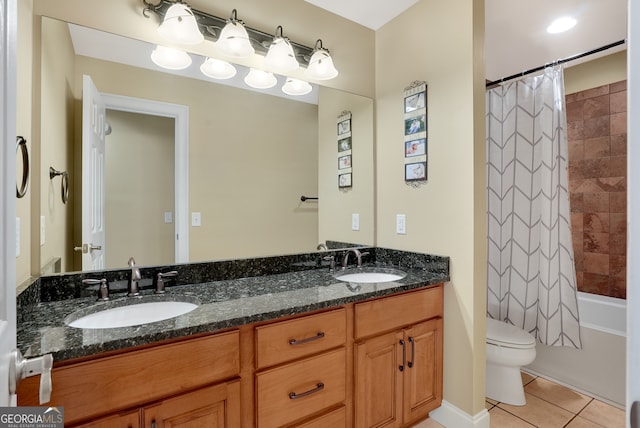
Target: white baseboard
(450, 416)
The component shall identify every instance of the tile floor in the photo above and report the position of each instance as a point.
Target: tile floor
(550, 405)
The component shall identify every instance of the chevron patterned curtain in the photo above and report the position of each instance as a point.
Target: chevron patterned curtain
(531, 272)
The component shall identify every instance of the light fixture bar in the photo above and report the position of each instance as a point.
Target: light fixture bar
(211, 26)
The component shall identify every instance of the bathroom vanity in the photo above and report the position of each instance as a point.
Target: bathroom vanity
(296, 348)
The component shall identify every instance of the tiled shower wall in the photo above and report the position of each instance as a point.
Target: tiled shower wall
(597, 132)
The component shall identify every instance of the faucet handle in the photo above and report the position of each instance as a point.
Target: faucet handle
(159, 280)
(332, 262)
(103, 290)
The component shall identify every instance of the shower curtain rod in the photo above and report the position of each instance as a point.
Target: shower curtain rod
(560, 61)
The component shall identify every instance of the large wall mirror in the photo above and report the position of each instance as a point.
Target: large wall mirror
(251, 156)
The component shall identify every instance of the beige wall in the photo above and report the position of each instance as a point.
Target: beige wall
(440, 42)
(23, 128)
(139, 189)
(602, 71)
(336, 206)
(57, 136)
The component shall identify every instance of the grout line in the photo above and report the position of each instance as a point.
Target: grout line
(515, 416)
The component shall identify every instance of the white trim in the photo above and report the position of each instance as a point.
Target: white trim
(180, 114)
(450, 416)
(603, 313)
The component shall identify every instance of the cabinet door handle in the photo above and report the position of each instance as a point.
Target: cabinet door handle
(404, 355)
(413, 351)
(153, 423)
(319, 387)
(318, 336)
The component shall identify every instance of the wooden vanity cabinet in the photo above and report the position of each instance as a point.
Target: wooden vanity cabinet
(398, 373)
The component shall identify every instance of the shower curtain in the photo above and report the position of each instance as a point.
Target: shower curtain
(531, 273)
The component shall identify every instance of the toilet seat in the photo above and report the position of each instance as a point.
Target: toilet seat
(506, 335)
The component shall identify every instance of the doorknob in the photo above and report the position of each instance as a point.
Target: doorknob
(88, 248)
(21, 368)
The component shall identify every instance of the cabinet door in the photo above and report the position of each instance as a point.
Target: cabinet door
(423, 373)
(124, 420)
(378, 388)
(212, 407)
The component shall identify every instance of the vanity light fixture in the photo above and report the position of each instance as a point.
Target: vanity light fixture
(260, 79)
(296, 87)
(170, 58)
(234, 39)
(280, 56)
(561, 25)
(217, 69)
(320, 65)
(180, 25)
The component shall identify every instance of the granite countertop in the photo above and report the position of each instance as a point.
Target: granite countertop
(223, 304)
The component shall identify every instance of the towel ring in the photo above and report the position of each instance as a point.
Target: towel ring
(64, 184)
(22, 146)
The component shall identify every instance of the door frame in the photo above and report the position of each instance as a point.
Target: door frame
(180, 114)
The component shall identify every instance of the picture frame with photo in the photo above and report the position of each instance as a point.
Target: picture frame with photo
(344, 180)
(416, 171)
(344, 144)
(414, 148)
(344, 162)
(415, 102)
(344, 127)
(415, 125)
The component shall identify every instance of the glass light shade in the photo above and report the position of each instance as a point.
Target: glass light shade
(217, 69)
(180, 25)
(260, 79)
(280, 57)
(172, 59)
(234, 41)
(296, 87)
(321, 66)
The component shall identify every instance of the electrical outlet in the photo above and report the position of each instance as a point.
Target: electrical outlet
(196, 219)
(17, 236)
(401, 224)
(355, 221)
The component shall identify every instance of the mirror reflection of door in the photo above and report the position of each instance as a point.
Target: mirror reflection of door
(128, 186)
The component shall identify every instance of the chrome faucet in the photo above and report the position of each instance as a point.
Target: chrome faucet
(132, 285)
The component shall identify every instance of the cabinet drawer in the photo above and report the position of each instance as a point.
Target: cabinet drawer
(334, 419)
(289, 340)
(92, 388)
(393, 312)
(291, 392)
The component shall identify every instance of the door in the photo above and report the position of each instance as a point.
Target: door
(93, 126)
(379, 368)
(8, 31)
(422, 377)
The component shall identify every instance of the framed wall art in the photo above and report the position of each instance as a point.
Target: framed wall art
(345, 156)
(416, 133)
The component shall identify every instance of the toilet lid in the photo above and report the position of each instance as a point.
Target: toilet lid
(503, 334)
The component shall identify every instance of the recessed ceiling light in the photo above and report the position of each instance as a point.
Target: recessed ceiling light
(561, 24)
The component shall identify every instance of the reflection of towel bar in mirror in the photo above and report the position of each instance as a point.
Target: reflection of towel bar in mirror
(308, 198)
(22, 146)
(64, 185)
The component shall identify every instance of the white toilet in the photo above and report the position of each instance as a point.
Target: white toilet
(508, 349)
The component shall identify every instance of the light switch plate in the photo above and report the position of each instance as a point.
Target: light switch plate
(42, 229)
(168, 217)
(401, 224)
(355, 221)
(196, 219)
(17, 236)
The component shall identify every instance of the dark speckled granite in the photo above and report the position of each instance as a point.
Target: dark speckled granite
(232, 293)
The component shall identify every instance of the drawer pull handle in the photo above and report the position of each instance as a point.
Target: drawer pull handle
(318, 388)
(318, 336)
(404, 355)
(413, 351)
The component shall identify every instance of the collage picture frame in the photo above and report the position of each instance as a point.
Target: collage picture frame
(415, 133)
(345, 159)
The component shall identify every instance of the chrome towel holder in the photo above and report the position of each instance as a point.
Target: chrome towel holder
(21, 145)
(64, 184)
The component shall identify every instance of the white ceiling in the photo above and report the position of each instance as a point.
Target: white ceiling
(515, 30)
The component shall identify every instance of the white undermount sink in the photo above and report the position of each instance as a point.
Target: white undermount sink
(132, 311)
(370, 275)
